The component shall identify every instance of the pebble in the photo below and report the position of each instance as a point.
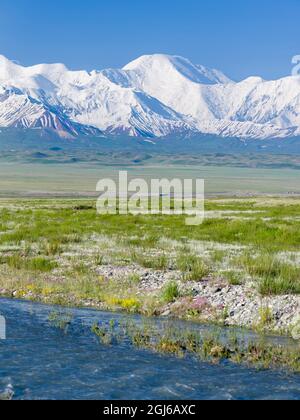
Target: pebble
(242, 303)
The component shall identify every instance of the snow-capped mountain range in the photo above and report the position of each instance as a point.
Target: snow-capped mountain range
(153, 96)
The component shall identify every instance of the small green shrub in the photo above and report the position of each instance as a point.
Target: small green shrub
(265, 317)
(233, 278)
(170, 292)
(159, 262)
(274, 277)
(52, 248)
(192, 267)
(30, 264)
(279, 286)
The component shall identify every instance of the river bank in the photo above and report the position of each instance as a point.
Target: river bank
(115, 356)
(210, 301)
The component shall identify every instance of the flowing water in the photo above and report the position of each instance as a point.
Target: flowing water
(41, 361)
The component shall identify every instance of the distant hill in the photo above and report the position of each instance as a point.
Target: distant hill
(42, 141)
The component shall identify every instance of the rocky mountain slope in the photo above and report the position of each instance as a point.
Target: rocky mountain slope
(153, 96)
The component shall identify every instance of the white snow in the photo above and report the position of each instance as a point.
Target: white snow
(152, 96)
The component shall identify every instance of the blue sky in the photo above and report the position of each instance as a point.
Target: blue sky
(241, 37)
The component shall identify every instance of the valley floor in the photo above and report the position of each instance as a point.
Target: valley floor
(241, 267)
(42, 178)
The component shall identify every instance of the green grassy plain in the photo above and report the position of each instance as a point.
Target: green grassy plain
(57, 244)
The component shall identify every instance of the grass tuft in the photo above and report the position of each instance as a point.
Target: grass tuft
(170, 292)
(192, 267)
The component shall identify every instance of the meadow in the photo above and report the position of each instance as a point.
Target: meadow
(61, 251)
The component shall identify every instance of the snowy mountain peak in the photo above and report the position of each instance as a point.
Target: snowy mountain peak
(4, 60)
(158, 63)
(11, 71)
(153, 96)
(8, 68)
